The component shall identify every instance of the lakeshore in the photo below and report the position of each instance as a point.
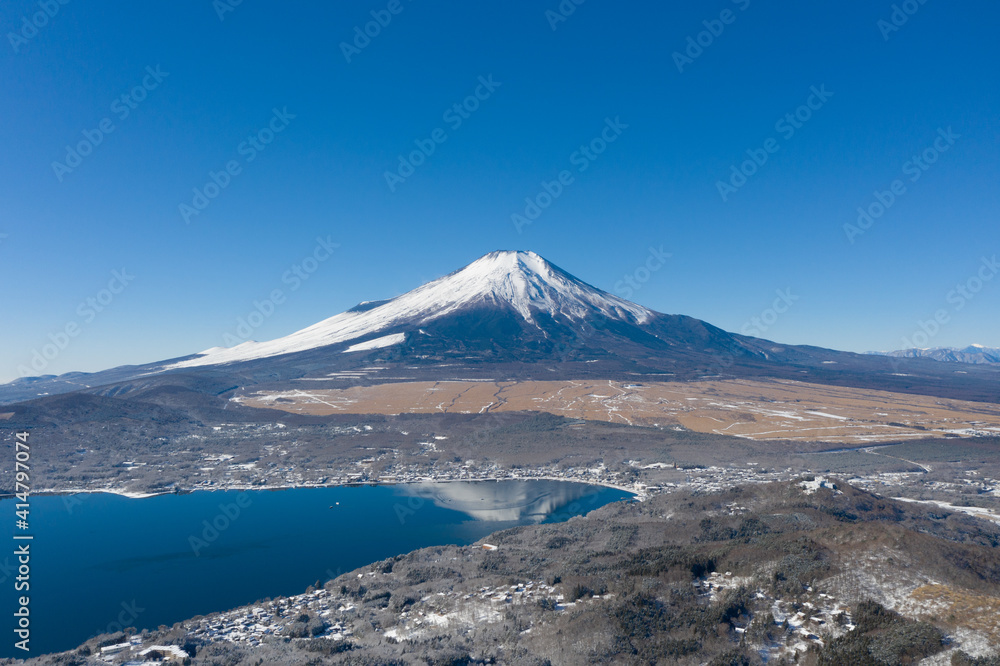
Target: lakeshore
(174, 556)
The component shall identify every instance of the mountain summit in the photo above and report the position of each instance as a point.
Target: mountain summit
(507, 316)
(529, 284)
(514, 281)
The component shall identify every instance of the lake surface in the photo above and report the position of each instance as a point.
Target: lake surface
(101, 561)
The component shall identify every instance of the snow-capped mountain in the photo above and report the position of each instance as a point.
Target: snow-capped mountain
(523, 282)
(508, 316)
(976, 354)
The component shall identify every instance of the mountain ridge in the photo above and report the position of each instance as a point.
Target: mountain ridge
(510, 316)
(972, 354)
(520, 280)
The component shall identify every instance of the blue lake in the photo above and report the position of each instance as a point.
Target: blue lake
(101, 561)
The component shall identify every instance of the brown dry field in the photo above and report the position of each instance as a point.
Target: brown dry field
(974, 611)
(756, 409)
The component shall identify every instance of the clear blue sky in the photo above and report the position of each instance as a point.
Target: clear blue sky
(323, 175)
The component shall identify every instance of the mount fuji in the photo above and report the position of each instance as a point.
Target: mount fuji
(517, 284)
(508, 315)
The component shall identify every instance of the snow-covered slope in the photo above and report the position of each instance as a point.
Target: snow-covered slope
(522, 281)
(377, 343)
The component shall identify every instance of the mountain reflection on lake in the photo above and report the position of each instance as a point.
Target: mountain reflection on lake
(526, 502)
(168, 558)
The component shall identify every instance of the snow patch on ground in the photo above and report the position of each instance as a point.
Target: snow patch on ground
(829, 416)
(810, 487)
(976, 511)
(377, 343)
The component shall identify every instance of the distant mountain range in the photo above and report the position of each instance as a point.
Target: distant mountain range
(507, 316)
(976, 354)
